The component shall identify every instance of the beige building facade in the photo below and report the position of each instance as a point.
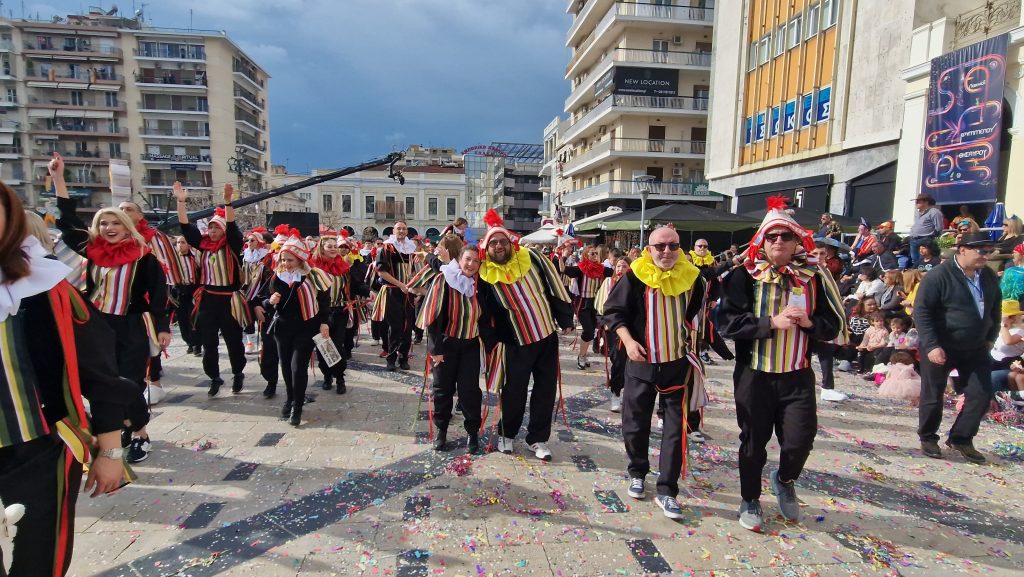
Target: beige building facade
(640, 77)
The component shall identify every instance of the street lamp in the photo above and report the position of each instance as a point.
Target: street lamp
(643, 186)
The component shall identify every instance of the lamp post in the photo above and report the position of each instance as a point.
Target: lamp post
(643, 186)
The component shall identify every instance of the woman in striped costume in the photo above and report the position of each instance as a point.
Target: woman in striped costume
(258, 278)
(452, 316)
(220, 305)
(54, 351)
(125, 281)
(614, 352)
(184, 291)
(256, 250)
(298, 303)
(589, 273)
(340, 314)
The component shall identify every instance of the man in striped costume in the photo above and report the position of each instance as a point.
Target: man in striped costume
(775, 307)
(522, 289)
(654, 309)
(395, 304)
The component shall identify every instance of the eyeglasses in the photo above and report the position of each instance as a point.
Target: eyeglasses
(784, 236)
(661, 246)
(984, 251)
(498, 242)
(701, 246)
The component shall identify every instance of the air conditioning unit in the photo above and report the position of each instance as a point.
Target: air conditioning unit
(677, 172)
(677, 40)
(602, 129)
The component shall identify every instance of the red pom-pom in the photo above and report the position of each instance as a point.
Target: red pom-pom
(559, 232)
(294, 233)
(344, 233)
(492, 218)
(281, 229)
(778, 202)
(259, 230)
(219, 211)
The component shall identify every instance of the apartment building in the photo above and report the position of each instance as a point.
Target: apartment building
(640, 75)
(506, 177)
(807, 102)
(177, 105)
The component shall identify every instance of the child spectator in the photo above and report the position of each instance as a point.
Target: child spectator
(901, 380)
(859, 322)
(901, 338)
(876, 337)
(870, 285)
(1008, 350)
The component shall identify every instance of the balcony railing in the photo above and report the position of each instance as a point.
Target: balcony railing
(76, 155)
(249, 97)
(10, 150)
(640, 145)
(78, 128)
(171, 79)
(170, 54)
(81, 76)
(251, 142)
(660, 57)
(108, 50)
(628, 188)
(54, 103)
(248, 73)
(251, 119)
(688, 103)
(165, 106)
(182, 158)
(169, 182)
(6, 45)
(989, 19)
(78, 179)
(384, 211)
(173, 132)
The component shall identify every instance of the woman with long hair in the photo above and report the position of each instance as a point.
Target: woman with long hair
(125, 281)
(1013, 234)
(298, 305)
(54, 351)
(340, 314)
(588, 273)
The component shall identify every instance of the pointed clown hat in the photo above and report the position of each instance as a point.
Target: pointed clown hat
(219, 219)
(496, 226)
(296, 246)
(779, 216)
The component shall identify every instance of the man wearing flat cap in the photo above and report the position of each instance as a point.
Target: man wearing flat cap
(957, 313)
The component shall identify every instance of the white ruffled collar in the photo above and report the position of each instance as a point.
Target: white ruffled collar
(458, 281)
(251, 256)
(44, 274)
(406, 246)
(289, 277)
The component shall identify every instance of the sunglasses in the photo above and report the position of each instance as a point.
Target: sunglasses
(701, 246)
(498, 242)
(661, 246)
(984, 251)
(784, 236)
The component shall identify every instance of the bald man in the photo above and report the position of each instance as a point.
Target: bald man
(650, 311)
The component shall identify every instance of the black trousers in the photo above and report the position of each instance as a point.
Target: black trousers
(617, 363)
(827, 356)
(693, 418)
(975, 370)
(639, 396)
(295, 346)
(44, 477)
(131, 349)
(866, 359)
(588, 319)
(399, 316)
(339, 336)
(215, 319)
(269, 360)
(783, 402)
(460, 372)
(183, 313)
(540, 360)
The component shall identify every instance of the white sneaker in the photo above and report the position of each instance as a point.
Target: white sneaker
(833, 395)
(696, 437)
(616, 404)
(541, 451)
(845, 366)
(505, 445)
(250, 349)
(155, 394)
(660, 425)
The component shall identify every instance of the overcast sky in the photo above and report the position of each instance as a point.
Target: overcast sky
(355, 79)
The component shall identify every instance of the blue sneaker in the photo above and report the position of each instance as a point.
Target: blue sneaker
(785, 493)
(669, 506)
(636, 488)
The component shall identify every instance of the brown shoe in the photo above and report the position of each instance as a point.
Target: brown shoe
(968, 451)
(931, 449)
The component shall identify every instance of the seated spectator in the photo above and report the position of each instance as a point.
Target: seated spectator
(876, 338)
(828, 258)
(966, 218)
(829, 228)
(891, 300)
(1008, 351)
(859, 322)
(901, 338)
(1012, 284)
(901, 380)
(864, 240)
(870, 285)
(963, 227)
(1013, 234)
(931, 256)
(911, 279)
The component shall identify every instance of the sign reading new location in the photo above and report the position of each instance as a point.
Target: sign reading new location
(646, 81)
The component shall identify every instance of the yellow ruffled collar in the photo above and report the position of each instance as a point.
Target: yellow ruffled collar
(671, 282)
(507, 273)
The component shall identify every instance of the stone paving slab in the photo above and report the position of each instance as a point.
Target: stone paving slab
(352, 492)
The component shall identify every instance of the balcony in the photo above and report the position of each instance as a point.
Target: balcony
(696, 61)
(637, 148)
(176, 158)
(638, 14)
(384, 211)
(626, 189)
(5, 101)
(9, 126)
(73, 52)
(79, 80)
(247, 74)
(76, 156)
(55, 104)
(77, 179)
(249, 98)
(66, 129)
(188, 54)
(170, 107)
(251, 143)
(169, 183)
(10, 152)
(174, 133)
(169, 80)
(6, 46)
(617, 104)
(250, 120)
(583, 19)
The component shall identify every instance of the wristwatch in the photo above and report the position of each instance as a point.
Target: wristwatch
(116, 454)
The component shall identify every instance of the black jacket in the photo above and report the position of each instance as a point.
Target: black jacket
(625, 305)
(436, 331)
(501, 325)
(946, 313)
(235, 244)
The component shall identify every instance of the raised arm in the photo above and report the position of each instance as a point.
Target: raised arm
(56, 168)
(181, 195)
(229, 195)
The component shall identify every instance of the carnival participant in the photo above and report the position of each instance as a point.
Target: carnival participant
(588, 273)
(701, 256)
(451, 315)
(457, 227)
(298, 301)
(395, 305)
(255, 251)
(259, 275)
(341, 315)
(220, 306)
(125, 281)
(774, 308)
(54, 351)
(184, 292)
(522, 290)
(651, 310)
(613, 349)
(351, 250)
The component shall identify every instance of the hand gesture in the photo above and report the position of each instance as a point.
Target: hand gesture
(782, 321)
(325, 330)
(56, 166)
(180, 193)
(164, 339)
(442, 254)
(798, 314)
(937, 356)
(275, 298)
(229, 193)
(635, 351)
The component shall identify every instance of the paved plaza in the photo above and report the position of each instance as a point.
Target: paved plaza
(230, 489)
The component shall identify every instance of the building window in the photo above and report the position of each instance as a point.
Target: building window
(752, 60)
(115, 149)
(813, 13)
(794, 32)
(110, 99)
(780, 40)
(328, 203)
(346, 204)
(432, 207)
(830, 13)
(410, 206)
(368, 205)
(77, 98)
(764, 49)
(451, 207)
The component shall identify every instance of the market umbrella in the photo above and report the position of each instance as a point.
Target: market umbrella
(543, 235)
(995, 220)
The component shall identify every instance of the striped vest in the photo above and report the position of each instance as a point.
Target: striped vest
(665, 336)
(188, 267)
(782, 351)
(167, 254)
(217, 268)
(589, 286)
(528, 307)
(112, 287)
(462, 319)
(338, 290)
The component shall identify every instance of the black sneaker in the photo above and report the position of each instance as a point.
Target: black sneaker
(215, 385)
(931, 449)
(341, 389)
(270, 391)
(403, 364)
(440, 440)
(473, 444)
(138, 450)
(189, 350)
(391, 365)
(197, 352)
(968, 451)
(236, 383)
(326, 384)
(286, 410)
